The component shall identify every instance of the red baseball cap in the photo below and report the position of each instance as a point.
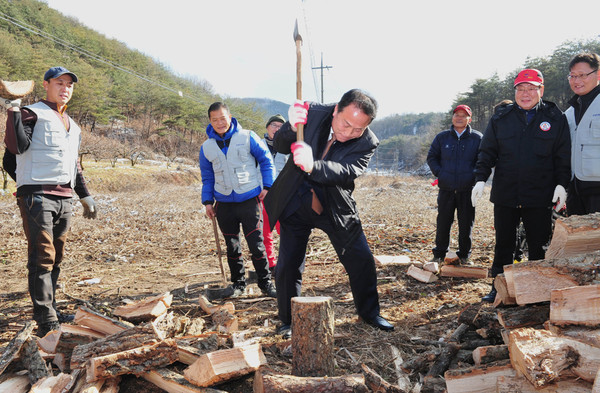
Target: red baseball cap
(464, 108)
(530, 75)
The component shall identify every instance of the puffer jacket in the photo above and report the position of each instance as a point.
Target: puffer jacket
(452, 159)
(530, 159)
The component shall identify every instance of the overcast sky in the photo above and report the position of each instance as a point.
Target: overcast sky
(411, 56)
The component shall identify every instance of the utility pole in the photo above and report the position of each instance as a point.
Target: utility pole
(322, 68)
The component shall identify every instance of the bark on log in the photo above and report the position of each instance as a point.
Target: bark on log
(489, 354)
(268, 382)
(478, 379)
(32, 359)
(378, 384)
(312, 338)
(420, 362)
(421, 275)
(14, 346)
(575, 306)
(131, 338)
(443, 361)
(575, 235)
(224, 321)
(111, 385)
(522, 385)
(134, 361)
(584, 334)
(542, 357)
(220, 366)
(145, 309)
(523, 316)
(172, 325)
(173, 382)
(534, 280)
(99, 322)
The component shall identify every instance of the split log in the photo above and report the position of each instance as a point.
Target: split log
(575, 306)
(32, 359)
(522, 385)
(534, 280)
(421, 275)
(502, 296)
(443, 361)
(131, 338)
(15, 89)
(172, 325)
(145, 309)
(378, 384)
(134, 361)
(510, 283)
(312, 338)
(210, 308)
(596, 387)
(224, 321)
(489, 354)
(543, 357)
(464, 271)
(268, 382)
(523, 316)
(189, 349)
(51, 384)
(14, 346)
(83, 386)
(400, 260)
(226, 364)
(477, 379)
(584, 334)
(575, 235)
(403, 379)
(432, 267)
(111, 385)
(173, 382)
(451, 258)
(15, 384)
(417, 364)
(98, 322)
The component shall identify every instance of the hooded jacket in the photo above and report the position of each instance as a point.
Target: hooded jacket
(332, 178)
(530, 159)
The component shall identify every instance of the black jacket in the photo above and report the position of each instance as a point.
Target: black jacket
(332, 179)
(452, 160)
(530, 159)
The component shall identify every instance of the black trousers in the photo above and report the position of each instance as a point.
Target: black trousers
(583, 197)
(538, 227)
(357, 260)
(248, 214)
(448, 202)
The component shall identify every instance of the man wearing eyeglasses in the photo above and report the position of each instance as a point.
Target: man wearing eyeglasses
(529, 145)
(584, 122)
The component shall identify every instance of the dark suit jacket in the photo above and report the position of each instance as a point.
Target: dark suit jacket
(332, 178)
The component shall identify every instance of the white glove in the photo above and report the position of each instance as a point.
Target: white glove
(8, 103)
(89, 207)
(297, 113)
(303, 156)
(560, 198)
(477, 192)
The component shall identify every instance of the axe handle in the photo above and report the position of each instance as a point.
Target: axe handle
(300, 133)
(216, 231)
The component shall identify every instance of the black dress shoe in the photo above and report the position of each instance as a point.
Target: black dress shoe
(64, 318)
(285, 331)
(490, 297)
(380, 323)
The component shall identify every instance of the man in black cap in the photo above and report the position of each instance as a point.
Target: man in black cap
(46, 143)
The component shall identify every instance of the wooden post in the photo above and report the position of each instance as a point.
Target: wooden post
(312, 336)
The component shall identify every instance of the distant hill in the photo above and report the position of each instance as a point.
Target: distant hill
(270, 107)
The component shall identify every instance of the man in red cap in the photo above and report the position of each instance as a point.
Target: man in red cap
(451, 158)
(528, 143)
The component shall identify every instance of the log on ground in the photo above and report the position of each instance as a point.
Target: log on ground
(11, 351)
(268, 382)
(575, 306)
(145, 309)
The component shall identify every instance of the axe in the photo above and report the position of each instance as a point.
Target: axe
(14, 90)
(227, 290)
(220, 254)
(298, 41)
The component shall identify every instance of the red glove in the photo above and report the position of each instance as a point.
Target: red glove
(303, 156)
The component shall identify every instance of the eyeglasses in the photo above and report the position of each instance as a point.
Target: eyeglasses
(521, 89)
(582, 76)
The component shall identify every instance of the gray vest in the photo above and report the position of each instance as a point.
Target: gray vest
(585, 142)
(51, 158)
(237, 171)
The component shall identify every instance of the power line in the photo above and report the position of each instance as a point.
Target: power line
(84, 52)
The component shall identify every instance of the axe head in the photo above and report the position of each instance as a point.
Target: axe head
(297, 36)
(14, 90)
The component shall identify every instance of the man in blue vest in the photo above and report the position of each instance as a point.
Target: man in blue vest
(45, 141)
(232, 192)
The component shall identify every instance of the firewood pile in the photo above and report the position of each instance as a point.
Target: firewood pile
(542, 333)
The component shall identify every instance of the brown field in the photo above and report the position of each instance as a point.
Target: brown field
(151, 237)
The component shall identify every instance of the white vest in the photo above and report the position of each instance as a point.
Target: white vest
(585, 142)
(51, 158)
(237, 171)
(279, 162)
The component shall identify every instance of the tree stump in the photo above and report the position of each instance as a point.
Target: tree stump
(312, 336)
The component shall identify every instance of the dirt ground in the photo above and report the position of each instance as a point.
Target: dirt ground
(151, 236)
